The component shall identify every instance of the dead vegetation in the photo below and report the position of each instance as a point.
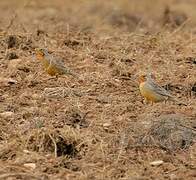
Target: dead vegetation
(170, 132)
(97, 126)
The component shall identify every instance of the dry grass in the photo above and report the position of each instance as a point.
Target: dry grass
(97, 126)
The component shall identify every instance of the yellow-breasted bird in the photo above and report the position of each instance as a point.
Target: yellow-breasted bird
(153, 93)
(51, 64)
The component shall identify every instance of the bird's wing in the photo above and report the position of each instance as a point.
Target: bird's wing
(60, 65)
(159, 89)
(162, 91)
(57, 61)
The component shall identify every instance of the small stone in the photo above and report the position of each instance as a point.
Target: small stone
(156, 163)
(31, 166)
(6, 114)
(26, 151)
(11, 81)
(7, 81)
(106, 125)
(173, 177)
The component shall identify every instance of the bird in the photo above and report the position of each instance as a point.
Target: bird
(154, 93)
(53, 65)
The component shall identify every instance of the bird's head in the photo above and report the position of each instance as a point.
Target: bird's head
(146, 77)
(40, 53)
(142, 78)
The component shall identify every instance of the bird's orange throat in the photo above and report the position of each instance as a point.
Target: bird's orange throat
(142, 79)
(39, 56)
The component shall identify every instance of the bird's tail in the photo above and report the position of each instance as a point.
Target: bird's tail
(71, 73)
(178, 102)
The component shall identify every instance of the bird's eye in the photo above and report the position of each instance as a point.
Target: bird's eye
(41, 51)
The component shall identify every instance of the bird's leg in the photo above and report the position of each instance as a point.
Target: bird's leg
(145, 101)
(49, 66)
